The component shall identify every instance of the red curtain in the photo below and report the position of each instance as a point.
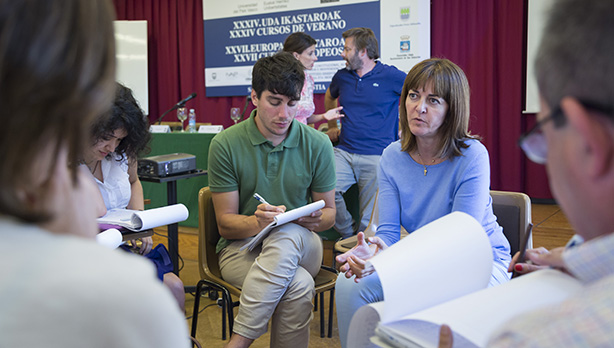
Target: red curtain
(177, 58)
(485, 38)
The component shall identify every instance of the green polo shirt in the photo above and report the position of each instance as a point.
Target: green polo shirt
(242, 159)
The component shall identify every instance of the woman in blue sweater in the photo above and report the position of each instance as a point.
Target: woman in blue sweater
(437, 167)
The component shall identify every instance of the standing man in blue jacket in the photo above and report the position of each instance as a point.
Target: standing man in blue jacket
(369, 92)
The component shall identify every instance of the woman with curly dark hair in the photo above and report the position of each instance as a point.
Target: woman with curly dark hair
(117, 140)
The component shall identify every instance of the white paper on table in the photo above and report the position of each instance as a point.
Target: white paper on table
(281, 219)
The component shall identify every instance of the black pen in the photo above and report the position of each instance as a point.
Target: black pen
(523, 248)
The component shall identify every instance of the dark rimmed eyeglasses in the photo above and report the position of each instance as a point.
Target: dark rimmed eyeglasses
(534, 143)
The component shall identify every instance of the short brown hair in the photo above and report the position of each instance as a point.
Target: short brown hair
(450, 83)
(364, 38)
(57, 67)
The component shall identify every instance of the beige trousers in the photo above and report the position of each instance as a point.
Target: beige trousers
(276, 281)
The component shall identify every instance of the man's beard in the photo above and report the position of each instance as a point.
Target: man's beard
(354, 62)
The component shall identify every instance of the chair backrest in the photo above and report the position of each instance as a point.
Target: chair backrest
(208, 236)
(513, 212)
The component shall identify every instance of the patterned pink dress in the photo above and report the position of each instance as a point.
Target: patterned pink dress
(306, 107)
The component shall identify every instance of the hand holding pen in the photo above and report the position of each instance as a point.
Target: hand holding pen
(260, 199)
(265, 212)
(530, 260)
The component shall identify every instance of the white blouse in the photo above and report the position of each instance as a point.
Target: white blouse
(115, 187)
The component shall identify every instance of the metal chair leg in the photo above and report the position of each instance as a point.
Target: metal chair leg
(321, 305)
(199, 288)
(330, 312)
(224, 304)
(227, 306)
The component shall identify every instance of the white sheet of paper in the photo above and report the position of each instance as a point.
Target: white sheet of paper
(475, 317)
(137, 220)
(110, 238)
(421, 269)
(281, 219)
(167, 215)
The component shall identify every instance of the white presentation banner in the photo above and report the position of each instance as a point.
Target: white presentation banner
(239, 32)
(131, 55)
(537, 20)
(405, 32)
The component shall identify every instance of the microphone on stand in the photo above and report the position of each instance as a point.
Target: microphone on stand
(178, 105)
(247, 100)
(188, 98)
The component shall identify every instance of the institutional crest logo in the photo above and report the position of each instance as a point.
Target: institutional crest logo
(404, 43)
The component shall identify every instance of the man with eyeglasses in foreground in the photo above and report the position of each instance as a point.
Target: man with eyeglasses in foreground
(574, 137)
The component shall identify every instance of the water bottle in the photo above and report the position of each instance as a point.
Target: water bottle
(192, 121)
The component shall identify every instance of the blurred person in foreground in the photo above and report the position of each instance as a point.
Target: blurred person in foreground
(59, 288)
(574, 137)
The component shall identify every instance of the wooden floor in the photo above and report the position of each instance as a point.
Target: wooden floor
(551, 229)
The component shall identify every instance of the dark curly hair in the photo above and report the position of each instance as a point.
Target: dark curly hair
(125, 114)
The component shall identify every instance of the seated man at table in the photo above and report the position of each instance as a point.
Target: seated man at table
(289, 164)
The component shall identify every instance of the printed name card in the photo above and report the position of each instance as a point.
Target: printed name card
(211, 129)
(159, 128)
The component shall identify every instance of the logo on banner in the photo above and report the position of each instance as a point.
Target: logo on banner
(404, 12)
(325, 1)
(404, 43)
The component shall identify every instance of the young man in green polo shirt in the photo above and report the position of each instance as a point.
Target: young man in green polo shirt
(289, 164)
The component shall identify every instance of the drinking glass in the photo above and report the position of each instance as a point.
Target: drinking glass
(235, 114)
(182, 115)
